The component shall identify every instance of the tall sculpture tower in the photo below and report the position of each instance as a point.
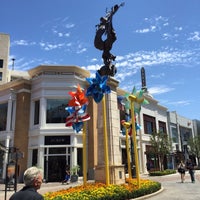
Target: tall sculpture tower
(143, 79)
(114, 164)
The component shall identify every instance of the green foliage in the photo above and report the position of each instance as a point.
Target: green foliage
(161, 146)
(162, 173)
(75, 169)
(145, 190)
(102, 192)
(194, 144)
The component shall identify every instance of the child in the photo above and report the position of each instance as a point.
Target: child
(67, 177)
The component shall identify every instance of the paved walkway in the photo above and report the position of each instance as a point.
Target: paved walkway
(173, 189)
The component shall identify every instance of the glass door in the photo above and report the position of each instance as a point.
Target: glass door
(55, 162)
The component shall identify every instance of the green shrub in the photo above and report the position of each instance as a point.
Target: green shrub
(99, 191)
(162, 173)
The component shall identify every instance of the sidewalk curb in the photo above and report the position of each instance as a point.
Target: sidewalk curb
(149, 195)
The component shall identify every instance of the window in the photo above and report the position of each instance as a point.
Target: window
(1, 76)
(149, 124)
(34, 157)
(1, 63)
(162, 127)
(37, 112)
(56, 112)
(174, 135)
(3, 116)
(186, 133)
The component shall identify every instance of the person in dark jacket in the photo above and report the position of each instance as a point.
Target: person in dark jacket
(32, 180)
(190, 166)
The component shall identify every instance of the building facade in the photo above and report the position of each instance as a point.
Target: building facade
(33, 132)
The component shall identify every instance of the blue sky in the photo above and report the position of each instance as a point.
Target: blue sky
(163, 36)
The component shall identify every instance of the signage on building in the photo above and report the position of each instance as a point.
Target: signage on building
(57, 140)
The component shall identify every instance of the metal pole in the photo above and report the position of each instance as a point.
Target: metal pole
(6, 182)
(6, 178)
(84, 155)
(16, 169)
(126, 126)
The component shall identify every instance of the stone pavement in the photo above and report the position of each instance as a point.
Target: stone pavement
(172, 188)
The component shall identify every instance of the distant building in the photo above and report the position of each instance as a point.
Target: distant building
(181, 130)
(196, 127)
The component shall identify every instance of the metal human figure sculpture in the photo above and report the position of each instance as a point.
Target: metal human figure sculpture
(106, 27)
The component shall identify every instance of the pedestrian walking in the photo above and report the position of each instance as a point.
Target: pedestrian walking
(190, 166)
(181, 170)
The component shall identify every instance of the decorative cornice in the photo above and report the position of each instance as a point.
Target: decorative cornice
(58, 68)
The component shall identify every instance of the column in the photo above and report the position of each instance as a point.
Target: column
(43, 111)
(7, 144)
(116, 169)
(9, 113)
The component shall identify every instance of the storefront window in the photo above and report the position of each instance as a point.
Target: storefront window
(3, 116)
(56, 112)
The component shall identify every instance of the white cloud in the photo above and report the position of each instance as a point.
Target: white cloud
(92, 67)
(154, 24)
(161, 75)
(181, 102)
(195, 36)
(22, 43)
(60, 34)
(67, 34)
(146, 30)
(178, 28)
(48, 46)
(94, 60)
(159, 90)
(81, 50)
(68, 26)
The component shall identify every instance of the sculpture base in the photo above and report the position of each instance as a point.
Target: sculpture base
(116, 173)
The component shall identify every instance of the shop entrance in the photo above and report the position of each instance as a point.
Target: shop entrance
(55, 164)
